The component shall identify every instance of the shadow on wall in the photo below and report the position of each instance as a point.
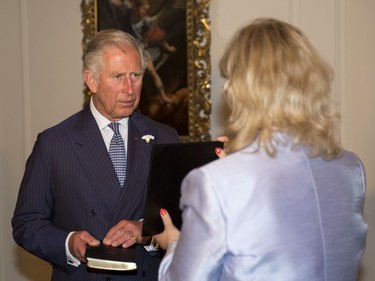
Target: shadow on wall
(361, 274)
(367, 270)
(33, 268)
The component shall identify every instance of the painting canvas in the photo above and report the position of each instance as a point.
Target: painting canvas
(175, 45)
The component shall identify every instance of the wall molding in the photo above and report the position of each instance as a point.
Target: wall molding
(294, 12)
(26, 77)
(341, 62)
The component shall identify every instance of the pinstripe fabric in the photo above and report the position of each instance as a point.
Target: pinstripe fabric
(70, 184)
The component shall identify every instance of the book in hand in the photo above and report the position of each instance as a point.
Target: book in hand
(111, 258)
(169, 164)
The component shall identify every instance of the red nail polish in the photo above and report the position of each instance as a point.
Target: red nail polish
(163, 211)
(218, 150)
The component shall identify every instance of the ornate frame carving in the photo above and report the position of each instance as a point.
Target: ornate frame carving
(198, 62)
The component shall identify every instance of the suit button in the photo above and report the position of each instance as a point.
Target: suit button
(93, 212)
(144, 273)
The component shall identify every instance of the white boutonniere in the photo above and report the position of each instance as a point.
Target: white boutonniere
(148, 138)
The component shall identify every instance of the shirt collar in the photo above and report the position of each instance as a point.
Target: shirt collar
(103, 121)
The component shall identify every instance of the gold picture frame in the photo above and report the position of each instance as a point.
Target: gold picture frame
(197, 101)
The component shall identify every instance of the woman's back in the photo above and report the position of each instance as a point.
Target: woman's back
(267, 211)
(286, 218)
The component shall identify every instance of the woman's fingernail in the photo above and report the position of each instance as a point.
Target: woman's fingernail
(163, 211)
(218, 150)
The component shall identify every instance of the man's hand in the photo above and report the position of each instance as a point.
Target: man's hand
(78, 242)
(126, 233)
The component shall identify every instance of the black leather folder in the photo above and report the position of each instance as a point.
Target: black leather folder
(170, 163)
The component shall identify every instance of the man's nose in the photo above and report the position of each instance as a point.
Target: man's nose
(127, 84)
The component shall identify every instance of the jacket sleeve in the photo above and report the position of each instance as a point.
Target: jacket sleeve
(32, 224)
(202, 235)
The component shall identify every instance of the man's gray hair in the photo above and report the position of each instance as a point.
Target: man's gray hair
(93, 55)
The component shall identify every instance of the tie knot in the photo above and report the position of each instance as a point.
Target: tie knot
(115, 127)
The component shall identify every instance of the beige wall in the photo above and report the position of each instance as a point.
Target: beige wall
(40, 84)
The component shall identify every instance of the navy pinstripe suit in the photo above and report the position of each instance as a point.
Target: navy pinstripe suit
(70, 185)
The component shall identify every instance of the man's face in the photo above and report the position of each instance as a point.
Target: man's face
(117, 91)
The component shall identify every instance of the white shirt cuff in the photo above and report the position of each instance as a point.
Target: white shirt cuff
(70, 259)
(153, 247)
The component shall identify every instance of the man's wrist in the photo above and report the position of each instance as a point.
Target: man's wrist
(70, 259)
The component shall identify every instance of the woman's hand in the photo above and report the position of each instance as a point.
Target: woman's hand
(170, 233)
(220, 152)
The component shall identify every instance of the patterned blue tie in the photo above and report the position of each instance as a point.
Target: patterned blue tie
(117, 153)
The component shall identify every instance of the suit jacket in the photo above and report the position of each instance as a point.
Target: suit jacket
(252, 217)
(70, 185)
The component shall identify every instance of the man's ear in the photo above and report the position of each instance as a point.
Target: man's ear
(90, 80)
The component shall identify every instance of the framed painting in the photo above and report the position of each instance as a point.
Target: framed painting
(175, 38)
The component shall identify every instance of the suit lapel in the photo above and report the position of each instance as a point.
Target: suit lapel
(133, 196)
(137, 147)
(95, 159)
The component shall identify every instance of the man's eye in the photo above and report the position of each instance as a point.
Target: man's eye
(119, 76)
(135, 76)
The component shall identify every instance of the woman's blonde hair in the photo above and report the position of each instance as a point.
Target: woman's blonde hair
(278, 83)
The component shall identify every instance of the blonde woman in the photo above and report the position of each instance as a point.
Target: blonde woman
(286, 202)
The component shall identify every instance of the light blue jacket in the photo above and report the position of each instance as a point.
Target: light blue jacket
(252, 217)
